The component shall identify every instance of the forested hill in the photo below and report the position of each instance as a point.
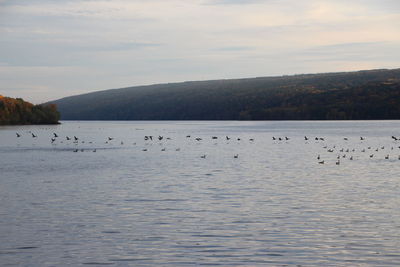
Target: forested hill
(373, 94)
(17, 112)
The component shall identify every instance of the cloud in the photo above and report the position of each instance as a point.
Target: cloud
(104, 44)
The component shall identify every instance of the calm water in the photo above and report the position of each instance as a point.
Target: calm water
(62, 204)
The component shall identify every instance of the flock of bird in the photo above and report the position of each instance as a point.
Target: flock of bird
(340, 153)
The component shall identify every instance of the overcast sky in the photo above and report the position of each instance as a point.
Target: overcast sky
(55, 48)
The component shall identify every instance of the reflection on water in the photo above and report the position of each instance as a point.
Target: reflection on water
(113, 198)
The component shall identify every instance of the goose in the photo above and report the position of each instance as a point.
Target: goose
(68, 138)
(351, 158)
(110, 138)
(236, 156)
(55, 135)
(76, 138)
(371, 156)
(214, 137)
(287, 138)
(362, 138)
(321, 162)
(338, 162)
(187, 136)
(387, 157)
(160, 137)
(203, 156)
(33, 135)
(18, 135)
(227, 138)
(305, 138)
(163, 149)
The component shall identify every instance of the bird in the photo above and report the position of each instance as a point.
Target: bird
(33, 135)
(68, 138)
(287, 138)
(76, 138)
(160, 137)
(198, 139)
(18, 135)
(273, 138)
(145, 149)
(163, 149)
(52, 140)
(351, 158)
(338, 162)
(227, 138)
(371, 156)
(387, 157)
(319, 157)
(94, 150)
(214, 137)
(251, 139)
(305, 138)
(321, 162)
(236, 156)
(110, 138)
(187, 136)
(55, 135)
(203, 156)
(362, 138)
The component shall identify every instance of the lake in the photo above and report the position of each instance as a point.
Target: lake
(113, 198)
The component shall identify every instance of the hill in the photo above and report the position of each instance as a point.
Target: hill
(373, 94)
(17, 111)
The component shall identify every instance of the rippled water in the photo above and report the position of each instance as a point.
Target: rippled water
(101, 202)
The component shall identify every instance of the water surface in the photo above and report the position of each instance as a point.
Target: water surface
(130, 201)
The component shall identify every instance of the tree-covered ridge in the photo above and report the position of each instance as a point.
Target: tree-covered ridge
(360, 95)
(17, 111)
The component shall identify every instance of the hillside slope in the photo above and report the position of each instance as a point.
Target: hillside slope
(373, 94)
(17, 111)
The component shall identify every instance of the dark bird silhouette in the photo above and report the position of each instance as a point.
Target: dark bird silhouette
(55, 135)
(362, 138)
(236, 156)
(76, 138)
(305, 138)
(33, 135)
(203, 156)
(110, 138)
(18, 135)
(160, 137)
(321, 162)
(227, 138)
(68, 138)
(273, 138)
(187, 136)
(52, 140)
(287, 138)
(198, 139)
(214, 137)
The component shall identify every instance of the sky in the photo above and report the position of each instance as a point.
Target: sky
(55, 48)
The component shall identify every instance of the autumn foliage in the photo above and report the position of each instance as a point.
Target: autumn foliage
(17, 111)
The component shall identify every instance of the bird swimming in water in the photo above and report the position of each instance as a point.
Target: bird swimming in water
(33, 135)
(55, 135)
(18, 135)
(321, 162)
(203, 156)
(236, 156)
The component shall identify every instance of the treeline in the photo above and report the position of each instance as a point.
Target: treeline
(334, 96)
(18, 112)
